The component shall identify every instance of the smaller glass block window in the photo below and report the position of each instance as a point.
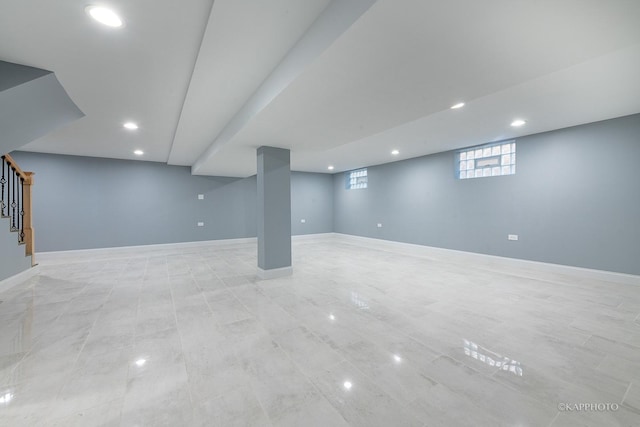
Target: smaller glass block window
(357, 179)
(493, 159)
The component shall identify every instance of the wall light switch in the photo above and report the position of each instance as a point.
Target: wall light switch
(200, 196)
(379, 225)
(303, 221)
(512, 237)
(200, 224)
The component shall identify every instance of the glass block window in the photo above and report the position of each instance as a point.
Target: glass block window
(357, 179)
(493, 159)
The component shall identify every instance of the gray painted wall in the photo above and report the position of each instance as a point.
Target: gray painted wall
(83, 202)
(311, 200)
(12, 255)
(575, 200)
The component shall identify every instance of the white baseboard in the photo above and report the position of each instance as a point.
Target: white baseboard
(10, 282)
(527, 268)
(315, 236)
(274, 273)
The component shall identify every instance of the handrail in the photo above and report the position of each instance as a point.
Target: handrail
(24, 175)
(16, 203)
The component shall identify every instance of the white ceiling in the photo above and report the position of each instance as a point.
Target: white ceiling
(339, 83)
(231, 65)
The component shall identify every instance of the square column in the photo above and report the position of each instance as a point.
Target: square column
(274, 213)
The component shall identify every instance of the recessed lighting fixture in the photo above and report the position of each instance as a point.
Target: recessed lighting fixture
(330, 168)
(104, 16)
(347, 385)
(141, 362)
(138, 152)
(395, 152)
(130, 125)
(397, 358)
(332, 317)
(458, 105)
(517, 122)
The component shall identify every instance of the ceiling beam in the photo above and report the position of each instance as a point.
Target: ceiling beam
(338, 16)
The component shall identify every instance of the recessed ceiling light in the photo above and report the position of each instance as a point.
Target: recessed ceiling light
(330, 168)
(517, 122)
(347, 385)
(131, 125)
(138, 152)
(104, 16)
(395, 152)
(458, 105)
(141, 362)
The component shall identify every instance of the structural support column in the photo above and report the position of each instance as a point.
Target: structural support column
(274, 213)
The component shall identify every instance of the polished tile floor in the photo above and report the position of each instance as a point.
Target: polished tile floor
(361, 334)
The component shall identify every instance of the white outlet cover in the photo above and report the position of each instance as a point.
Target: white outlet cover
(200, 196)
(379, 225)
(303, 221)
(512, 237)
(200, 224)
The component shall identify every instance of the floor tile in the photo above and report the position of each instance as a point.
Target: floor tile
(360, 335)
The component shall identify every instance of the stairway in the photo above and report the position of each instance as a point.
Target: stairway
(32, 103)
(16, 230)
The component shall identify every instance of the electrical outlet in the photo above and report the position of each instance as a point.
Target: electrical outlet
(200, 196)
(200, 224)
(379, 225)
(512, 237)
(303, 220)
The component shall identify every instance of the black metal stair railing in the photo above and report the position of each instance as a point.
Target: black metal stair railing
(12, 197)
